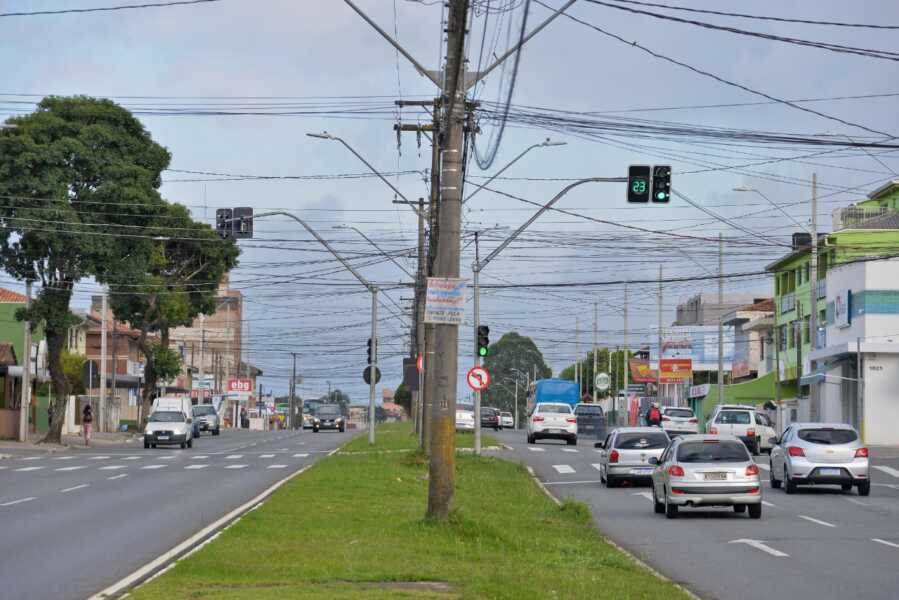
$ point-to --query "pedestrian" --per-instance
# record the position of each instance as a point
(654, 416)
(50, 415)
(87, 423)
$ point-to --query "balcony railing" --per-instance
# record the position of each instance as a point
(863, 217)
(787, 302)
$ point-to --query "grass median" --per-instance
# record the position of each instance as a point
(353, 527)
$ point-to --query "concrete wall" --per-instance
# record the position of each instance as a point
(881, 380)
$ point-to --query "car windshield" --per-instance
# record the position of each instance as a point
(712, 451)
(588, 410)
(554, 408)
(506, 414)
(167, 417)
(827, 436)
(488, 412)
(641, 441)
(685, 413)
(204, 410)
(734, 417)
(329, 411)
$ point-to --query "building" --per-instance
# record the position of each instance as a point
(857, 303)
(704, 309)
(753, 340)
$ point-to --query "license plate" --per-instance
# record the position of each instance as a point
(830, 472)
(715, 476)
(162, 437)
(641, 471)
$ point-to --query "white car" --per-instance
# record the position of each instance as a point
(552, 420)
(169, 427)
(679, 421)
(820, 453)
(464, 420)
(745, 423)
(506, 420)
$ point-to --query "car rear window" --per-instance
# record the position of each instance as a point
(712, 451)
(827, 436)
(588, 410)
(734, 417)
(554, 408)
(641, 441)
(686, 413)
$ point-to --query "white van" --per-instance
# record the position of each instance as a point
(170, 422)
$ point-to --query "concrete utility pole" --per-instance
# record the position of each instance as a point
(477, 355)
(25, 403)
(102, 412)
(593, 383)
(625, 359)
(720, 377)
(202, 373)
(659, 370)
(813, 301)
(291, 422)
(577, 354)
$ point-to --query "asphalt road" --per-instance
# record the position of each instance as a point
(818, 544)
(73, 523)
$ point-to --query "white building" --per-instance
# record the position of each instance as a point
(862, 328)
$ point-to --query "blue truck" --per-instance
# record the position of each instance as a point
(554, 390)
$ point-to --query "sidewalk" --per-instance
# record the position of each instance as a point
(69, 442)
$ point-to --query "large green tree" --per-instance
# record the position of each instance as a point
(512, 352)
(79, 181)
(178, 283)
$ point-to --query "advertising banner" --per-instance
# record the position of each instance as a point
(676, 370)
(699, 343)
(841, 309)
(641, 372)
(445, 301)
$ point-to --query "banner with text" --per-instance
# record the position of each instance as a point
(676, 370)
(445, 301)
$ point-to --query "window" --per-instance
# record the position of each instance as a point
(554, 408)
(827, 436)
(791, 335)
(641, 441)
(805, 330)
(684, 413)
(761, 419)
(762, 342)
(782, 337)
(733, 417)
(713, 451)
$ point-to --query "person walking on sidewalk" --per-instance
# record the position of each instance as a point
(87, 423)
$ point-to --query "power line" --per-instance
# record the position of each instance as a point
(105, 8)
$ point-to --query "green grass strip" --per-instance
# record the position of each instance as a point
(353, 527)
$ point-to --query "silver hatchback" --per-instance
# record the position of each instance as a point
(706, 470)
(626, 453)
(820, 453)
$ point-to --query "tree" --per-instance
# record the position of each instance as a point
(79, 181)
(403, 397)
(512, 351)
(73, 367)
(178, 283)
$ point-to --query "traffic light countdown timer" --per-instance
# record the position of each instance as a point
(645, 183)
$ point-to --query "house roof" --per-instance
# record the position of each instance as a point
(762, 305)
(11, 297)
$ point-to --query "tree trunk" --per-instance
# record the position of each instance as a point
(147, 394)
(55, 343)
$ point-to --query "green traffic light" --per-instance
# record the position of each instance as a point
(482, 351)
(661, 196)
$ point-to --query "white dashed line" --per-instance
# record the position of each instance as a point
(112, 467)
(2, 468)
(117, 476)
(196, 466)
(266, 456)
(64, 458)
(73, 488)
(130, 457)
(33, 458)
(563, 469)
(235, 466)
(878, 540)
(165, 458)
(29, 469)
(647, 495)
(568, 450)
(887, 470)
(277, 467)
(70, 468)
(854, 501)
(153, 466)
(200, 457)
(768, 504)
(818, 521)
(100, 457)
(760, 545)
(535, 449)
(234, 456)
(19, 501)
(596, 466)
(301, 455)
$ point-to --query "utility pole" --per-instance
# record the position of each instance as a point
(291, 423)
(421, 273)
(102, 416)
(25, 403)
(625, 357)
(813, 302)
(373, 370)
(477, 355)
(720, 319)
(577, 355)
(595, 314)
(202, 373)
(659, 370)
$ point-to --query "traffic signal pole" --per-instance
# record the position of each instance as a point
(477, 355)
(373, 369)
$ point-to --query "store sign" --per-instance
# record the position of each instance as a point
(240, 385)
(841, 316)
(675, 370)
(641, 371)
(699, 391)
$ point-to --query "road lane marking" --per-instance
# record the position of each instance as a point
(887, 470)
(19, 501)
(266, 456)
(70, 468)
(571, 482)
(885, 543)
(196, 466)
(2, 468)
(64, 458)
(234, 456)
(596, 466)
(647, 495)
(33, 458)
(29, 469)
(130, 457)
(768, 504)
(892, 486)
(854, 501)
(112, 467)
(814, 520)
(73, 488)
(100, 457)
(200, 457)
(235, 466)
(568, 450)
(117, 476)
(760, 545)
(165, 458)
(277, 467)
(535, 449)
(153, 466)
(301, 455)
(563, 469)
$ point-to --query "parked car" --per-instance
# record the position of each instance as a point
(328, 416)
(464, 419)
(490, 418)
(743, 422)
(206, 419)
(590, 420)
(820, 453)
(679, 421)
(169, 427)
(706, 470)
(553, 420)
(507, 420)
(626, 452)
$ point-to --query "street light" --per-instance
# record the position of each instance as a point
(544, 144)
(772, 203)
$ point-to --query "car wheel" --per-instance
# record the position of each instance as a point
(864, 488)
(342, 429)
(755, 511)
(739, 508)
(183, 445)
(190, 443)
(530, 439)
(846, 486)
(315, 430)
(152, 445)
(146, 444)
(789, 484)
(572, 441)
(217, 431)
(775, 483)
(670, 509)
(657, 506)
(610, 482)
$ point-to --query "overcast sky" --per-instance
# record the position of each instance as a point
(239, 55)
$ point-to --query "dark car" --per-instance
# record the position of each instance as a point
(328, 416)
(590, 420)
(490, 418)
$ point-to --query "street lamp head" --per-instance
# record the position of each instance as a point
(743, 189)
(549, 142)
(322, 136)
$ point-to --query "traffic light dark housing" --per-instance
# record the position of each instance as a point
(223, 223)
(243, 223)
(661, 183)
(371, 350)
(638, 183)
(483, 341)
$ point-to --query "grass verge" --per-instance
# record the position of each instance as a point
(353, 527)
(399, 436)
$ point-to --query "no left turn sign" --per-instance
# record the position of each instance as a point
(478, 379)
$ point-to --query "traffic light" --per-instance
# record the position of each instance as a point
(661, 183)
(483, 341)
(223, 223)
(638, 181)
(372, 351)
(243, 223)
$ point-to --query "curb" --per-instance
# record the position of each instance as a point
(640, 563)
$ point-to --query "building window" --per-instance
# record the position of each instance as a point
(790, 335)
(762, 342)
(805, 330)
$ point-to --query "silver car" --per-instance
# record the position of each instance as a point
(706, 470)
(626, 454)
(820, 453)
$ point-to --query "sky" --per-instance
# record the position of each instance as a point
(174, 65)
